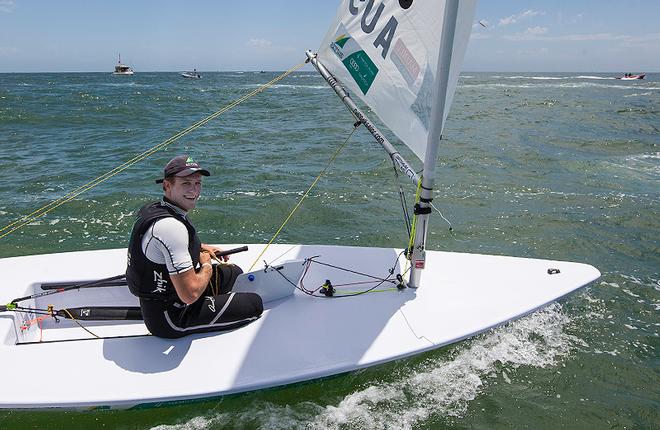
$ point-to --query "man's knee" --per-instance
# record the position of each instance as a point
(228, 274)
(247, 305)
(257, 305)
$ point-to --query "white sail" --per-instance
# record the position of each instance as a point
(386, 52)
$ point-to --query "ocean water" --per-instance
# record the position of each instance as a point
(560, 166)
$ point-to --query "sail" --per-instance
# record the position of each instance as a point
(386, 52)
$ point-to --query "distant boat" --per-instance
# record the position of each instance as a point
(191, 75)
(631, 77)
(122, 69)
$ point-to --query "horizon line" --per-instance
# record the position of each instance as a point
(279, 71)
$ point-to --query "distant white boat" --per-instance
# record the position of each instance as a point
(191, 75)
(631, 77)
(122, 69)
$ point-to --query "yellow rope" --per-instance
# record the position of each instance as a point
(303, 197)
(413, 229)
(80, 325)
(23, 221)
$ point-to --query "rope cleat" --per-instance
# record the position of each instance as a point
(327, 289)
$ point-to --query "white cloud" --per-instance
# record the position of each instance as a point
(539, 33)
(536, 30)
(542, 52)
(7, 6)
(590, 37)
(259, 43)
(479, 36)
(575, 19)
(522, 15)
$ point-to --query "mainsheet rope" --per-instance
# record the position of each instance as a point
(295, 208)
(23, 221)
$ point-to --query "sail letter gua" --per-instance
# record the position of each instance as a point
(386, 52)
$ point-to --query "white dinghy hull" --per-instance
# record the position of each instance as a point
(298, 338)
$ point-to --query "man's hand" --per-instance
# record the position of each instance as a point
(204, 257)
(212, 250)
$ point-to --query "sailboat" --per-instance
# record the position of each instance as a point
(318, 322)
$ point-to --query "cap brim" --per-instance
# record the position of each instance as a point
(191, 170)
(187, 172)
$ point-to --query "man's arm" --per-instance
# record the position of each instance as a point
(166, 242)
(190, 285)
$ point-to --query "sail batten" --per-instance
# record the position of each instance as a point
(386, 53)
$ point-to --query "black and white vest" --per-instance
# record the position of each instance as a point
(145, 278)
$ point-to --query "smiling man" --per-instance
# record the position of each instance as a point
(170, 269)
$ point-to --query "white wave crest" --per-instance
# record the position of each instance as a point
(643, 163)
(293, 87)
(648, 93)
(446, 386)
(593, 77)
(558, 85)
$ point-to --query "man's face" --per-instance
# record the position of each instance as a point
(184, 190)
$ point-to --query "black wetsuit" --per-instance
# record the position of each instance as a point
(165, 315)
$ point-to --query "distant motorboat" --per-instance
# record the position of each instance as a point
(631, 77)
(122, 69)
(191, 75)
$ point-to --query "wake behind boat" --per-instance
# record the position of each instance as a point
(328, 309)
(631, 77)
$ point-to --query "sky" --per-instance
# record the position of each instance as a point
(224, 35)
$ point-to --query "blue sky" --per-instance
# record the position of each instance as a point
(167, 35)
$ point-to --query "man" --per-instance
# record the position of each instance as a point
(170, 270)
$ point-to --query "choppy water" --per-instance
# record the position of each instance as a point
(562, 166)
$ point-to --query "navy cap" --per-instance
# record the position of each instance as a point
(182, 165)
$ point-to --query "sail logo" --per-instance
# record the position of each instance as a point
(160, 283)
(361, 68)
(405, 62)
(338, 45)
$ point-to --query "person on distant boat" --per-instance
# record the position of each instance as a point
(181, 291)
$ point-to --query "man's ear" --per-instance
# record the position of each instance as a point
(166, 184)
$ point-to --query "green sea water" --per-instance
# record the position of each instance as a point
(561, 166)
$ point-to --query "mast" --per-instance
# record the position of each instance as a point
(423, 208)
(398, 160)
